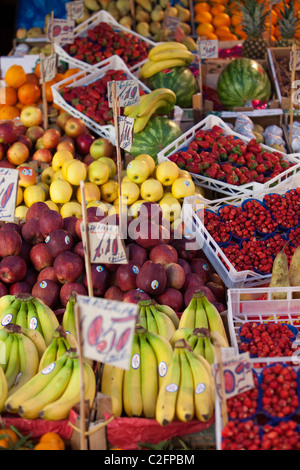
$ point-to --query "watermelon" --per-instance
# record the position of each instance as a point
(178, 79)
(243, 80)
(159, 132)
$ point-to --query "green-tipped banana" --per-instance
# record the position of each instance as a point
(49, 355)
(47, 319)
(209, 352)
(214, 318)
(13, 365)
(6, 301)
(21, 318)
(151, 323)
(132, 393)
(112, 386)
(7, 345)
(199, 346)
(68, 320)
(188, 316)
(9, 314)
(201, 320)
(149, 377)
(185, 408)
(3, 390)
(32, 318)
(142, 317)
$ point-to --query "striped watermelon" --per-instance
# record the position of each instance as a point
(159, 132)
(178, 79)
(243, 80)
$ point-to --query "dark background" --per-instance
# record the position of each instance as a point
(7, 25)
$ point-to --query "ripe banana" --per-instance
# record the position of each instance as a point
(37, 383)
(150, 68)
(170, 312)
(32, 319)
(159, 95)
(160, 107)
(169, 54)
(6, 301)
(166, 46)
(181, 333)
(9, 314)
(163, 352)
(61, 347)
(21, 318)
(209, 352)
(47, 319)
(13, 364)
(3, 390)
(214, 318)
(112, 386)
(132, 393)
(188, 316)
(68, 320)
(185, 408)
(149, 377)
(165, 325)
(49, 355)
(201, 318)
(131, 109)
(167, 395)
(37, 339)
(140, 123)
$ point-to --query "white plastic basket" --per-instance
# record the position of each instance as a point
(220, 186)
(231, 277)
(81, 31)
(92, 74)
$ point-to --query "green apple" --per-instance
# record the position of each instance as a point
(137, 171)
(101, 147)
(130, 192)
(183, 187)
(98, 172)
(167, 172)
(152, 190)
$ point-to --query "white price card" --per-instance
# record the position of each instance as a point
(2, 92)
(107, 329)
(60, 30)
(172, 23)
(106, 244)
(75, 10)
(238, 375)
(49, 66)
(127, 92)
(125, 132)
(208, 49)
(297, 61)
(8, 193)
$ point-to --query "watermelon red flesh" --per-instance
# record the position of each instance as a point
(159, 132)
(243, 80)
(178, 79)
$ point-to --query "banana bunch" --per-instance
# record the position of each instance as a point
(160, 101)
(165, 55)
(22, 357)
(3, 390)
(200, 313)
(28, 312)
(187, 390)
(158, 319)
(52, 392)
(134, 391)
(68, 319)
(61, 342)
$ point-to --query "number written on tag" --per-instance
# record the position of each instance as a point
(127, 93)
(106, 244)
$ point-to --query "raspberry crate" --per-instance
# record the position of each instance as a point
(220, 186)
(80, 31)
(86, 77)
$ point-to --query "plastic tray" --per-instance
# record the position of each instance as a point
(220, 186)
(81, 31)
(92, 74)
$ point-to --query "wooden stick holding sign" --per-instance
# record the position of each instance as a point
(86, 241)
(199, 71)
(293, 72)
(224, 411)
(45, 103)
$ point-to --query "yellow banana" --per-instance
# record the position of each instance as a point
(181, 333)
(218, 340)
(47, 319)
(199, 346)
(7, 345)
(214, 318)
(9, 314)
(201, 318)
(37, 338)
(209, 352)
(29, 362)
(90, 384)
(49, 355)
(130, 110)
(188, 316)
(192, 341)
(151, 323)
(156, 107)
(149, 377)
(61, 347)
(170, 312)
(132, 393)
(169, 54)
(34, 385)
(140, 123)
(164, 323)
(33, 322)
(6, 301)
(161, 95)
(31, 408)
(13, 365)
(163, 352)
(68, 320)
(21, 318)
(3, 390)
(166, 46)
(112, 386)
(185, 408)
(150, 68)
(167, 395)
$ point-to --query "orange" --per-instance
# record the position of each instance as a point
(29, 93)
(45, 446)
(59, 77)
(222, 30)
(49, 95)
(228, 37)
(11, 438)
(218, 8)
(204, 28)
(211, 36)
(236, 19)
(201, 6)
(15, 76)
(9, 112)
(37, 70)
(53, 438)
(239, 32)
(71, 71)
(222, 19)
(204, 17)
(11, 96)
(32, 78)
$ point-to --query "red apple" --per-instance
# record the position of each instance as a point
(217, 279)
(58, 241)
(164, 254)
(135, 295)
(173, 298)
(201, 267)
(126, 276)
(47, 291)
(3, 289)
(42, 155)
(6, 164)
(34, 133)
(19, 287)
(208, 293)
(25, 251)
(36, 210)
(31, 275)
(114, 293)
(10, 242)
(12, 226)
(152, 211)
(90, 218)
(62, 118)
(8, 133)
(145, 233)
(137, 254)
(100, 279)
(219, 306)
(66, 145)
(51, 138)
(83, 143)
(78, 248)
(74, 127)
(70, 289)
(17, 153)
(47, 273)
(3, 149)
(152, 278)
(25, 139)
(31, 232)
(218, 291)
(101, 147)
(40, 256)
(193, 280)
(185, 265)
(68, 266)
(69, 225)
(12, 269)
(51, 220)
(88, 159)
(175, 275)
(27, 176)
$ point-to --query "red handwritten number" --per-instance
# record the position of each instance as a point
(6, 195)
(95, 331)
(115, 247)
(123, 340)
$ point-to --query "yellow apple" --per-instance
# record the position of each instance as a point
(19, 198)
(112, 166)
(152, 190)
(125, 179)
(52, 205)
(75, 172)
(71, 208)
(60, 157)
(149, 160)
(20, 212)
(98, 172)
(58, 175)
(167, 172)
(109, 191)
(184, 174)
(104, 207)
(92, 192)
(183, 187)
(135, 207)
(32, 194)
(45, 187)
(60, 191)
(130, 192)
(171, 208)
(137, 171)
(47, 175)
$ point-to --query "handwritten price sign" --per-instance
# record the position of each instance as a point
(107, 329)
(127, 93)
(297, 60)
(75, 10)
(106, 245)
(8, 193)
(208, 49)
(60, 30)
(125, 132)
(49, 67)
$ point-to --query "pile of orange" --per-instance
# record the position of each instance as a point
(50, 441)
(8, 438)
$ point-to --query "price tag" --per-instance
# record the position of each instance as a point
(297, 64)
(125, 132)
(172, 23)
(238, 375)
(127, 93)
(63, 30)
(107, 328)
(8, 193)
(106, 244)
(2, 92)
(49, 64)
(75, 10)
(208, 49)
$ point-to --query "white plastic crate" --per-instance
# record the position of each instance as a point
(231, 277)
(81, 31)
(220, 186)
(91, 74)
